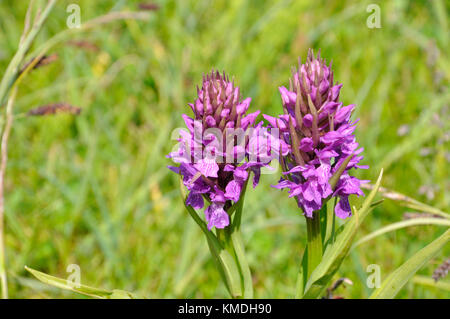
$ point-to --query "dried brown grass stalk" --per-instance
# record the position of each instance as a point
(442, 270)
(407, 201)
(407, 216)
(148, 6)
(41, 61)
(83, 44)
(54, 108)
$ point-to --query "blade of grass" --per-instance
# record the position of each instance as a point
(400, 225)
(3, 163)
(396, 280)
(13, 69)
(407, 201)
(429, 282)
(81, 289)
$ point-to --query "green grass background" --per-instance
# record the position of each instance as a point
(94, 190)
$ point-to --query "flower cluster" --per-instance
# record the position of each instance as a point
(218, 112)
(319, 133)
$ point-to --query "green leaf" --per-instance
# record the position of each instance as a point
(430, 282)
(403, 224)
(336, 251)
(329, 230)
(410, 202)
(337, 175)
(243, 263)
(81, 289)
(396, 280)
(121, 294)
(301, 277)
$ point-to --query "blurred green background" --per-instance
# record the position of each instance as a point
(94, 190)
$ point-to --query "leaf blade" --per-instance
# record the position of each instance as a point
(396, 280)
(64, 284)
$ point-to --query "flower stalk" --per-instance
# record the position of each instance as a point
(13, 69)
(317, 130)
(314, 236)
(216, 172)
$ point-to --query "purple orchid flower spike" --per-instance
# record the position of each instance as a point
(319, 132)
(216, 152)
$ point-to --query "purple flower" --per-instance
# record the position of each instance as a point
(319, 134)
(213, 168)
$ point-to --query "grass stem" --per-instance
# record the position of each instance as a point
(3, 162)
(13, 69)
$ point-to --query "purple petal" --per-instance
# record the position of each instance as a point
(342, 208)
(216, 216)
(249, 119)
(256, 176)
(284, 183)
(233, 191)
(307, 120)
(240, 174)
(207, 167)
(330, 107)
(272, 120)
(228, 168)
(331, 137)
(210, 121)
(189, 122)
(295, 169)
(243, 106)
(285, 95)
(195, 200)
(323, 173)
(335, 91)
(217, 196)
(174, 169)
(343, 114)
(306, 144)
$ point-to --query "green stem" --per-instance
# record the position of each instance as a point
(241, 258)
(226, 238)
(3, 162)
(314, 242)
(3, 278)
(13, 69)
(231, 239)
(239, 248)
(233, 243)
